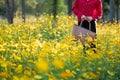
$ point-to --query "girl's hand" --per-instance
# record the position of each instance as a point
(83, 17)
(89, 18)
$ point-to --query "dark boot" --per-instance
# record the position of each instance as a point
(85, 48)
(93, 46)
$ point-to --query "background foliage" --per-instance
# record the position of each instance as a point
(45, 6)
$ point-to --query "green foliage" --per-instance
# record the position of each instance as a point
(2, 7)
(47, 6)
(36, 7)
(61, 6)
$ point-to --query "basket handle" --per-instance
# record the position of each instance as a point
(89, 25)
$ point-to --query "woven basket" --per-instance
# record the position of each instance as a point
(81, 33)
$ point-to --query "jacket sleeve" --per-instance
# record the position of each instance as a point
(75, 9)
(98, 11)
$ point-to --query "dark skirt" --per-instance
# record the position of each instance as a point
(85, 24)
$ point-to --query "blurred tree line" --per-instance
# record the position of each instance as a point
(12, 8)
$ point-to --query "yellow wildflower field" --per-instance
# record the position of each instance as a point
(46, 50)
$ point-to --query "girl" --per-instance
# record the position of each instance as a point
(88, 11)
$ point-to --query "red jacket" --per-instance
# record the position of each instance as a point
(88, 8)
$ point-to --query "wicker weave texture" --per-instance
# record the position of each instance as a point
(81, 33)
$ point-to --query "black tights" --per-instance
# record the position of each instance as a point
(85, 24)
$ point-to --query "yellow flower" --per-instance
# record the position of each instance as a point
(27, 72)
(19, 68)
(99, 68)
(39, 35)
(79, 79)
(15, 78)
(93, 75)
(26, 78)
(24, 53)
(51, 76)
(4, 74)
(116, 43)
(2, 48)
(16, 57)
(58, 64)
(30, 61)
(110, 73)
(34, 72)
(3, 63)
(85, 75)
(38, 77)
(90, 75)
(66, 74)
(72, 38)
(67, 71)
(89, 39)
(42, 65)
